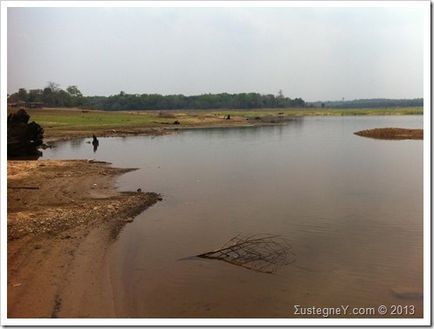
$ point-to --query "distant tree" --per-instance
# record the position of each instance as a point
(22, 94)
(74, 91)
(35, 95)
(47, 95)
(53, 96)
(53, 86)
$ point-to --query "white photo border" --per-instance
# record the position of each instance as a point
(425, 321)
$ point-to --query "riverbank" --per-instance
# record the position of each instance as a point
(72, 123)
(62, 217)
(391, 133)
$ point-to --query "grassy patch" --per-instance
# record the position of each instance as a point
(76, 119)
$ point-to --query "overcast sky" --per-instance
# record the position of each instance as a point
(313, 53)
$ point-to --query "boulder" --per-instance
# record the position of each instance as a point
(24, 138)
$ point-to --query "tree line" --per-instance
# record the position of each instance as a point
(53, 96)
(50, 96)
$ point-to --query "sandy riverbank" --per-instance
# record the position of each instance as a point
(391, 133)
(62, 217)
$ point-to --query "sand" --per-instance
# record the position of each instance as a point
(62, 218)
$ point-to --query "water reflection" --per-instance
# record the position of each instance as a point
(76, 143)
(95, 147)
(251, 131)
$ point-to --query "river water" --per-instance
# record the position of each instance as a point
(351, 207)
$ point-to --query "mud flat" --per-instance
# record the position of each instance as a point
(391, 133)
(62, 217)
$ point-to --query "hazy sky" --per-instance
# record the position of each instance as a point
(313, 53)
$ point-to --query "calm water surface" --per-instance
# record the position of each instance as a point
(350, 206)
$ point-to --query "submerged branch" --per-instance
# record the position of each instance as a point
(261, 252)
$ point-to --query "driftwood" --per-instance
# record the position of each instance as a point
(262, 253)
(24, 138)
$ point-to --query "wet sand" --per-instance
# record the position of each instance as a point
(62, 217)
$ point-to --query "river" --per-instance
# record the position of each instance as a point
(351, 208)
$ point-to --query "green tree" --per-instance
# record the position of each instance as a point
(35, 95)
(74, 91)
(22, 95)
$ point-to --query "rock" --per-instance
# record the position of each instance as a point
(47, 146)
(404, 293)
(23, 138)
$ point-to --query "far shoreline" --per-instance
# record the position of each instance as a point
(70, 123)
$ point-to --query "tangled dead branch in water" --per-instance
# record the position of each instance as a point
(260, 252)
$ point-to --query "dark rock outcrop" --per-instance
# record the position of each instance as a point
(24, 138)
